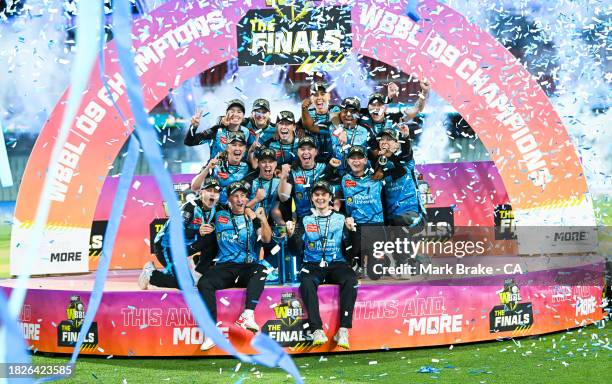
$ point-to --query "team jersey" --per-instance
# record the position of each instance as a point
(375, 128)
(193, 217)
(220, 142)
(236, 237)
(302, 181)
(285, 153)
(402, 194)
(324, 238)
(217, 134)
(227, 174)
(354, 136)
(264, 134)
(362, 198)
(323, 138)
(271, 188)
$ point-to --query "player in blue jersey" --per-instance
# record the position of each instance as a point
(346, 132)
(217, 136)
(227, 167)
(374, 117)
(362, 191)
(403, 206)
(264, 193)
(197, 216)
(286, 141)
(325, 242)
(264, 185)
(236, 264)
(316, 112)
(259, 123)
(297, 184)
(401, 112)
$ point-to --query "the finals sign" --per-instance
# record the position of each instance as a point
(291, 36)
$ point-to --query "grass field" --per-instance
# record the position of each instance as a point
(578, 356)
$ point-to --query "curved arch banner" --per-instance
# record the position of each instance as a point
(504, 105)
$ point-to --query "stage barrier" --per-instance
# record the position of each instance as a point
(387, 315)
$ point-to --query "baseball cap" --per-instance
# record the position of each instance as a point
(261, 104)
(351, 103)
(237, 186)
(388, 132)
(321, 184)
(210, 182)
(306, 140)
(286, 115)
(266, 153)
(236, 136)
(236, 103)
(357, 150)
(318, 86)
(376, 97)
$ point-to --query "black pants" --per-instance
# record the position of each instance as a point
(407, 219)
(313, 275)
(362, 241)
(296, 243)
(229, 275)
(167, 277)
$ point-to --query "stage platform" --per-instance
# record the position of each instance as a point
(388, 314)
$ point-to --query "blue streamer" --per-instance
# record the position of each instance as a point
(122, 29)
(16, 353)
(412, 11)
(82, 67)
(110, 236)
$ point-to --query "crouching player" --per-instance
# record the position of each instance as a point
(199, 237)
(325, 243)
(236, 263)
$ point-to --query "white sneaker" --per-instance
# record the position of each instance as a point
(145, 275)
(207, 344)
(342, 338)
(247, 321)
(318, 337)
(194, 274)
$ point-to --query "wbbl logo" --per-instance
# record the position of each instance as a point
(512, 315)
(288, 327)
(68, 330)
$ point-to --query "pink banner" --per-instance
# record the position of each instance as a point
(392, 315)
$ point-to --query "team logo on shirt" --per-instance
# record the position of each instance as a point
(311, 245)
(350, 183)
(223, 220)
(349, 200)
(312, 228)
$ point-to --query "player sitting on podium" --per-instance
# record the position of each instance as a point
(236, 264)
(325, 246)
